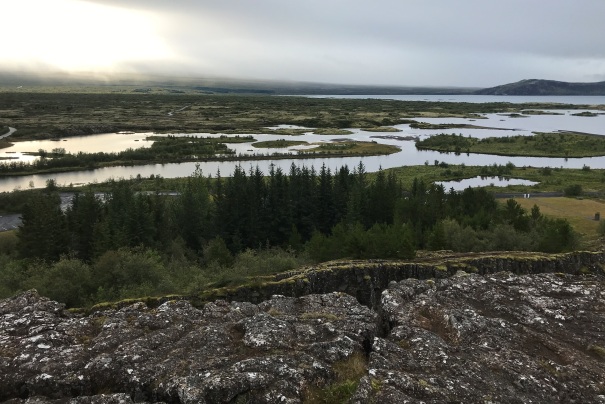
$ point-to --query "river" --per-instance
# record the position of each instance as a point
(500, 125)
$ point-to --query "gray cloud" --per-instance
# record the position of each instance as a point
(413, 42)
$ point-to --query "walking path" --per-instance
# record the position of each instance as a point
(10, 132)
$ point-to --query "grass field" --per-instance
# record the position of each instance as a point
(8, 242)
(579, 212)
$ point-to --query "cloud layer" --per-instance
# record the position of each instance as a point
(413, 42)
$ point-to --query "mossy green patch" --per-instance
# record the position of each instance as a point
(281, 143)
(381, 129)
(332, 131)
(598, 350)
(347, 374)
(319, 315)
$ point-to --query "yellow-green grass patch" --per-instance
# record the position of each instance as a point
(381, 129)
(352, 148)
(579, 212)
(278, 143)
(8, 241)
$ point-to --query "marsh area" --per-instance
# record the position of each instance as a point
(139, 121)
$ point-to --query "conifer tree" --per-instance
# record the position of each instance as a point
(43, 231)
(82, 217)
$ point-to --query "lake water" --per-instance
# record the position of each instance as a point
(519, 99)
(107, 142)
(483, 182)
(408, 154)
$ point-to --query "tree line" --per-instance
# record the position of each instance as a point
(251, 210)
(218, 230)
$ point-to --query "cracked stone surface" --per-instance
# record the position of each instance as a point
(176, 353)
(469, 338)
(494, 338)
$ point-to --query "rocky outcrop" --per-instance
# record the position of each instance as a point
(466, 338)
(366, 279)
(494, 338)
(271, 352)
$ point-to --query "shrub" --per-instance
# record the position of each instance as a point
(67, 281)
(573, 190)
(127, 273)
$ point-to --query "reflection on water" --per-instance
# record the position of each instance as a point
(408, 155)
(106, 142)
(483, 182)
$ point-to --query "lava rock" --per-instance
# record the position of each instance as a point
(494, 338)
(271, 352)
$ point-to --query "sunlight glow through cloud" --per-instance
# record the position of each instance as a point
(386, 42)
(78, 36)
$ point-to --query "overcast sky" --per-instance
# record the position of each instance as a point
(478, 43)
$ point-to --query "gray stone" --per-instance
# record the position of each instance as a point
(177, 353)
(499, 337)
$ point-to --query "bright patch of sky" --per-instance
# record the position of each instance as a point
(474, 43)
(74, 36)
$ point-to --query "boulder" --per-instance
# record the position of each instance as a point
(497, 337)
(175, 353)
(493, 338)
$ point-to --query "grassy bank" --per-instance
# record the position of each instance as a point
(559, 144)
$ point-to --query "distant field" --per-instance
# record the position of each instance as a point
(579, 212)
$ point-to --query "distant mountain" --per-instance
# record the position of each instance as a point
(545, 87)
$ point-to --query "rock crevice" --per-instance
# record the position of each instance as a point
(468, 337)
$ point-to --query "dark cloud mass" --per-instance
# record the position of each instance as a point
(395, 42)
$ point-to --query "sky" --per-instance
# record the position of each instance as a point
(461, 43)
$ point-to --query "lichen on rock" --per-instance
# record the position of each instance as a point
(498, 337)
(176, 353)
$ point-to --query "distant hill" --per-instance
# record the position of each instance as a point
(208, 85)
(545, 87)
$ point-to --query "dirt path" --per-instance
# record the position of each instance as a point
(10, 132)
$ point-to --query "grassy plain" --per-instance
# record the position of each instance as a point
(61, 111)
(579, 212)
(336, 148)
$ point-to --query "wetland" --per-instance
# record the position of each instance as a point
(205, 208)
(95, 137)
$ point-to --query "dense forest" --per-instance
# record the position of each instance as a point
(216, 231)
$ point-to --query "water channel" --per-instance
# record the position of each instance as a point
(496, 125)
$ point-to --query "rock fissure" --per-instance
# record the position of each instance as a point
(466, 337)
(366, 280)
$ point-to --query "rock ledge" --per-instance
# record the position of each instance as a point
(468, 338)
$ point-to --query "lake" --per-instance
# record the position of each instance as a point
(483, 182)
(408, 154)
(515, 99)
